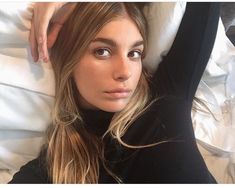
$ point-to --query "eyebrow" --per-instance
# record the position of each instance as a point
(114, 44)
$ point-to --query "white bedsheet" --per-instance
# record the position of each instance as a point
(26, 91)
(216, 136)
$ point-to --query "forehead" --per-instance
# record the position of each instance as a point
(120, 29)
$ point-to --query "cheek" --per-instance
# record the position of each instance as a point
(137, 73)
(84, 77)
(88, 76)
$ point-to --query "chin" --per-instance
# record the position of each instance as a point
(113, 107)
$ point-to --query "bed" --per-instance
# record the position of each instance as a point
(27, 90)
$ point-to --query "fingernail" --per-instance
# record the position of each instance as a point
(41, 56)
(34, 58)
(45, 60)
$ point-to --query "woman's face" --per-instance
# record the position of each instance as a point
(108, 73)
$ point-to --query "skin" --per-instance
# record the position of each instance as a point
(107, 75)
(46, 23)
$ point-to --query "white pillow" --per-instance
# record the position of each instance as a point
(26, 92)
(164, 19)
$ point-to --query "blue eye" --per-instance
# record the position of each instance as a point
(135, 54)
(102, 52)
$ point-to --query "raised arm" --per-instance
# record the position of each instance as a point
(181, 70)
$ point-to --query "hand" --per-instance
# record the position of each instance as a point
(48, 19)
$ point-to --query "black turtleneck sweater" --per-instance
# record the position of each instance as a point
(169, 118)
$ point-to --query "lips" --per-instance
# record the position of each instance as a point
(118, 93)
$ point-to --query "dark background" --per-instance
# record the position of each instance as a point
(227, 11)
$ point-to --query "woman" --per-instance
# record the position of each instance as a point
(108, 125)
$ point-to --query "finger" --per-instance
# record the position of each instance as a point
(41, 22)
(53, 33)
(41, 37)
(42, 50)
(64, 13)
(57, 22)
(33, 43)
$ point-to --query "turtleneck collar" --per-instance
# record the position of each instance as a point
(97, 121)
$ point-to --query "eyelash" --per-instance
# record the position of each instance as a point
(95, 52)
(140, 53)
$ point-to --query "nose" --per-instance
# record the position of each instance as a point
(122, 70)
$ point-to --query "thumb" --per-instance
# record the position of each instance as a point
(53, 33)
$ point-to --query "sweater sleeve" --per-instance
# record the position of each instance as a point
(31, 173)
(169, 163)
(181, 70)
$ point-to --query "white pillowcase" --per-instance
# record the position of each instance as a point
(163, 19)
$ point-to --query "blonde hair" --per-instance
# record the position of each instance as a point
(73, 154)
